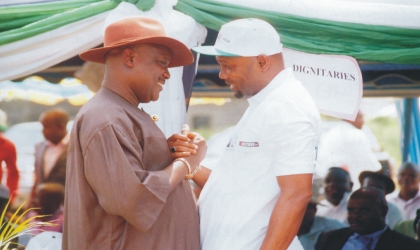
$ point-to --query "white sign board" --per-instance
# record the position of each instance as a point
(334, 82)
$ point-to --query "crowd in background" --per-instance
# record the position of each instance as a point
(45, 203)
(356, 204)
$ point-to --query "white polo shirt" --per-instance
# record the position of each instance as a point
(277, 136)
(338, 212)
(408, 208)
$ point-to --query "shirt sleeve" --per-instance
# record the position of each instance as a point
(292, 135)
(114, 170)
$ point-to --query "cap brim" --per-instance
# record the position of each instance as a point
(180, 54)
(211, 51)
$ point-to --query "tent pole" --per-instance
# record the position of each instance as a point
(408, 107)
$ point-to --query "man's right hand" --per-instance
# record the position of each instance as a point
(193, 148)
(195, 159)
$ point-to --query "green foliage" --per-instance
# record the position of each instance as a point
(387, 130)
(205, 132)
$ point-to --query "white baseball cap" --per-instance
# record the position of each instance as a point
(45, 241)
(244, 37)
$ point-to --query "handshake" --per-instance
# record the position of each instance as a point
(189, 147)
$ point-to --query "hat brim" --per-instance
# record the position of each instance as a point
(211, 51)
(180, 54)
(389, 184)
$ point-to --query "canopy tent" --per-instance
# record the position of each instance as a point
(49, 32)
(35, 35)
(38, 90)
(408, 110)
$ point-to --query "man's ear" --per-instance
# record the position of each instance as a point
(128, 57)
(263, 62)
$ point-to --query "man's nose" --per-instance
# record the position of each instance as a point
(222, 74)
(166, 74)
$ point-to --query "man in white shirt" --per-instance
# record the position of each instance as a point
(257, 193)
(408, 198)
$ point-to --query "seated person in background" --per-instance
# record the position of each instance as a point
(4, 199)
(408, 199)
(312, 226)
(410, 227)
(367, 209)
(49, 199)
(337, 188)
(384, 183)
(405, 227)
(416, 225)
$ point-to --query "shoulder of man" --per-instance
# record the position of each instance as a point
(333, 240)
(7, 146)
(392, 240)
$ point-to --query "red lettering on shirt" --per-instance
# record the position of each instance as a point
(249, 144)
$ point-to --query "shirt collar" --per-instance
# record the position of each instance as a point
(374, 235)
(368, 241)
(344, 200)
(271, 86)
(417, 196)
(126, 93)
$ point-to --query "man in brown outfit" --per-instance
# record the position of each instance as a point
(123, 188)
(51, 154)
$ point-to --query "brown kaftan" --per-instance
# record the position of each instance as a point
(116, 197)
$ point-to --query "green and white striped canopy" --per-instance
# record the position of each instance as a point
(36, 34)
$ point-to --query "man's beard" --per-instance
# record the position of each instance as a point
(238, 94)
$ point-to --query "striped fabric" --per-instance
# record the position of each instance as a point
(386, 31)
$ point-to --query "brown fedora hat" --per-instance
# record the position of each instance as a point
(136, 30)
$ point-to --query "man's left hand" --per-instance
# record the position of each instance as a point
(181, 145)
